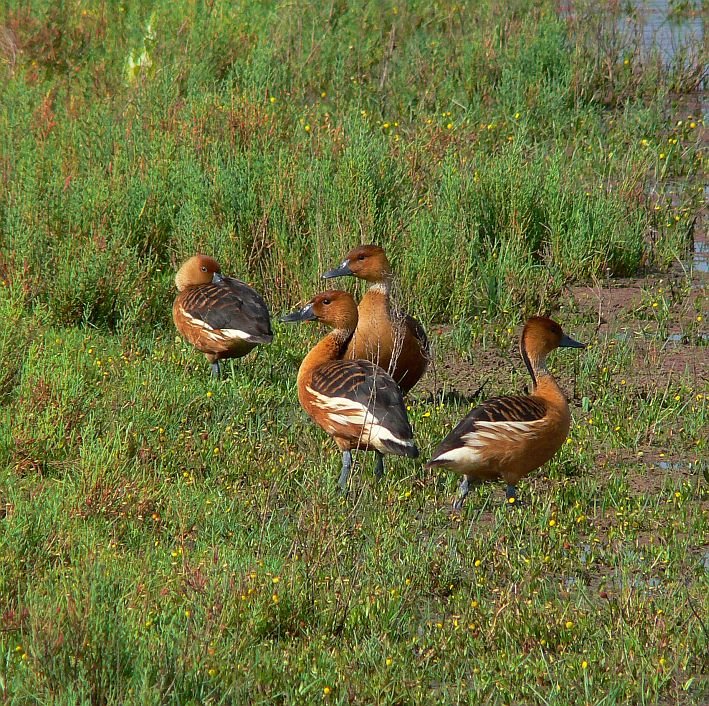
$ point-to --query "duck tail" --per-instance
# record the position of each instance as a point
(407, 448)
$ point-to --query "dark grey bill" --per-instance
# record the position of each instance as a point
(568, 342)
(304, 314)
(342, 271)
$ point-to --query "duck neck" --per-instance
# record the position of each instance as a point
(376, 302)
(332, 347)
(544, 384)
(536, 364)
(381, 286)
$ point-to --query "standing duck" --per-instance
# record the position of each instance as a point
(354, 401)
(509, 437)
(220, 316)
(393, 340)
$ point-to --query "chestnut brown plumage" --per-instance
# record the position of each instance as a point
(393, 340)
(220, 316)
(354, 401)
(509, 437)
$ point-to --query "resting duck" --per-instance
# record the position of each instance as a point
(354, 401)
(220, 316)
(509, 437)
(393, 340)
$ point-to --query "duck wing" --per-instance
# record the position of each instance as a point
(495, 421)
(359, 397)
(230, 306)
(418, 331)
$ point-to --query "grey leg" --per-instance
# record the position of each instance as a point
(379, 467)
(216, 369)
(345, 473)
(463, 489)
(512, 495)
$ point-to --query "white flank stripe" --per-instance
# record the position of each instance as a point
(236, 333)
(343, 412)
(487, 433)
(217, 334)
(196, 322)
(478, 444)
(462, 455)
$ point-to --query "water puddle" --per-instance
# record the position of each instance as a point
(585, 554)
(687, 340)
(618, 583)
(700, 256)
(657, 27)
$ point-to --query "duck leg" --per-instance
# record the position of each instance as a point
(463, 490)
(216, 369)
(379, 466)
(511, 494)
(345, 473)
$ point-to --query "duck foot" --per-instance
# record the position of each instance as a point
(379, 466)
(345, 473)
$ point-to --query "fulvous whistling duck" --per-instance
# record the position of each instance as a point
(220, 316)
(508, 437)
(354, 401)
(393, 340)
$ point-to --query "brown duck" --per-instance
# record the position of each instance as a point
(393, 340)
(220, 316)
(354, 401)
(509, 437)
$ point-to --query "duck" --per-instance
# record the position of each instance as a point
(220, 316)
(355, 401)
(509, 437)
(386, 336)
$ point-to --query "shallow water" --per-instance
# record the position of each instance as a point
(685, 339)
(700, 256)
(672, 37)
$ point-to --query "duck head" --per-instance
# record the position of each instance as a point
(334, 308)
(367, 262)
(199, 269)
(540, 337)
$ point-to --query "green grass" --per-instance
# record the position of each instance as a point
(165, 538)
(140, 564)
(277, 139)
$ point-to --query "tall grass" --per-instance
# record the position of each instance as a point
(453, 135)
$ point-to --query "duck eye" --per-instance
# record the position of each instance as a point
(204, 269)
(325, 301)
(360, 257)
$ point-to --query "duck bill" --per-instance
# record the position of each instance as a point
(342, 271)
(568, 342)
(217, 278)
(304, 314)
